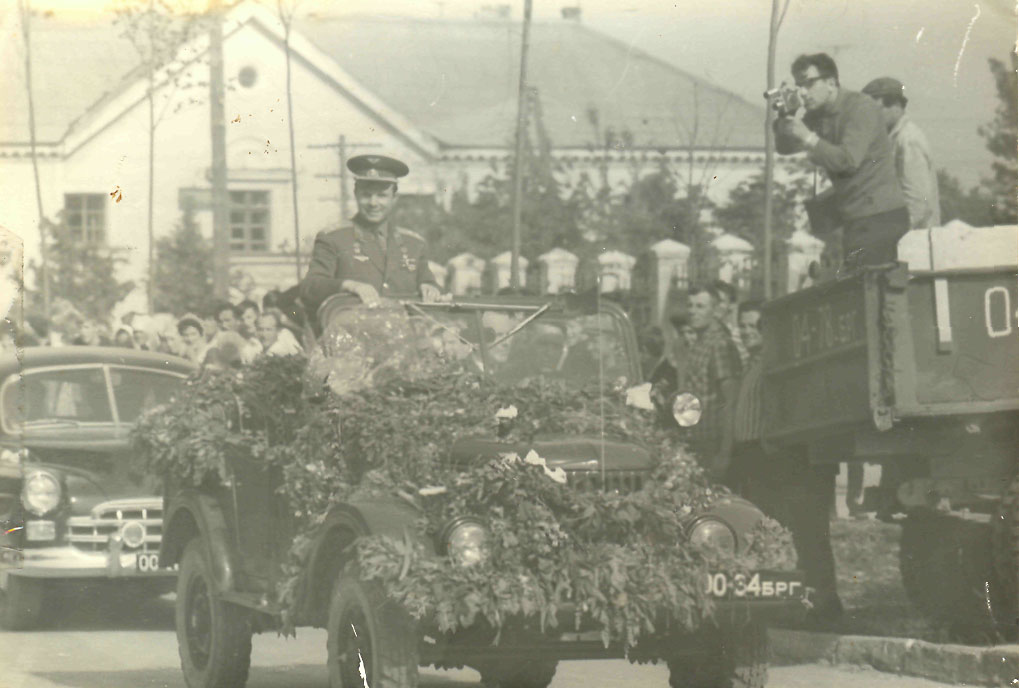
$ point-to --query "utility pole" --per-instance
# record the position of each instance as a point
(342, 147)
(26, 18)
(217, 122)
(518, 172)
(778, 10)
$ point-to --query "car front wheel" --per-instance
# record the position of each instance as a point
(371, 639)
(21, 603)
(213, 636)
(734, 658)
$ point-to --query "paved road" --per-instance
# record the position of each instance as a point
(126, 643)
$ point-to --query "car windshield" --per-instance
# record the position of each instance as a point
(72, 396)
(514, 345)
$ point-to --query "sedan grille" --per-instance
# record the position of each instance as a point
(623, 482)
(92, 533)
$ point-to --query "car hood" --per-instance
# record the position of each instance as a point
(568, 453)
(91, 478)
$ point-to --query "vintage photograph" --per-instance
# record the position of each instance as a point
(517, 344)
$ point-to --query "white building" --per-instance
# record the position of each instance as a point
(558, 271)
(440, 95)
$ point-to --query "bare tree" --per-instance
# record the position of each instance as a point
(25, 12)
(157, 30)
(287, 10)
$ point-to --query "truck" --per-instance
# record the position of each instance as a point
(914, 366)
(230, 536)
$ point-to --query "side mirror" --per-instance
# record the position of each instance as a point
(686, 409)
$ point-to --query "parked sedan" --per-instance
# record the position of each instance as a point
(75, 504)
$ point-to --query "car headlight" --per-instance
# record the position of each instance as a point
(466, 542)
(41, 493)
(713, 533)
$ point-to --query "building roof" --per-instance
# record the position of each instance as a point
(454, 79)
(74, 64)
(458, 79)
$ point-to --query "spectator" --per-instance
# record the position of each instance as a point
(276, 340)
(192, 335)
(914, 164)
(658, 370)
(712, 375)
(226, 317)
(725, 295)
(142, 335)
(89, 334)
(247, 311)
(683, 344)
(124, 337)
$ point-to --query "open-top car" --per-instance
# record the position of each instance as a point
(232, 530)
(75, 502)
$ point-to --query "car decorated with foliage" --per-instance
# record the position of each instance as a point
(458, 485)
(75, 501)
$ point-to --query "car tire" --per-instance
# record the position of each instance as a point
(367, 629)
(213, 636)
(529, 674)
(21, 603)
(735, 658)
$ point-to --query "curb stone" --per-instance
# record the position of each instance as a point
(988, 666)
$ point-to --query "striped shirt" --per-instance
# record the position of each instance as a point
(747, 416)
(713, 360)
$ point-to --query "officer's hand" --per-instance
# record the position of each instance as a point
(367, 293)
(430, 293)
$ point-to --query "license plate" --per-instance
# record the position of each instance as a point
(757, 585)
(147, 563)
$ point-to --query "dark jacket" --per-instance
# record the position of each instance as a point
(856, 152)
(354, 252)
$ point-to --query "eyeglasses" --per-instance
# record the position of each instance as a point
(809, 81)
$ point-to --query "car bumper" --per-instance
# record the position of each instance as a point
(65, 561)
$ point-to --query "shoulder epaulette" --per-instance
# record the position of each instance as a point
(410, 233)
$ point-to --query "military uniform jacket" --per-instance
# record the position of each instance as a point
(398, 266)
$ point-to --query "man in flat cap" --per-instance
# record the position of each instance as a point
(913, 162)
(369, 256)
(843, 132)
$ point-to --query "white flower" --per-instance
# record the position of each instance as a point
(533, 459)
(640, 397)
(508, 413)
(510, 458)
(556, 474)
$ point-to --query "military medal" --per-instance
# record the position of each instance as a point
(408, 262)
(359, 255)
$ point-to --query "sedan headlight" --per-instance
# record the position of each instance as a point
(466, 542)
(41, 493)
(711, 532)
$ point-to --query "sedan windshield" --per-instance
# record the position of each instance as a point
(73, 396)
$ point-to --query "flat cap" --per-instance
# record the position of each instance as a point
(377, 168)
(885, 86)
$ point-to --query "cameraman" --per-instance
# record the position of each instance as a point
(843, 132)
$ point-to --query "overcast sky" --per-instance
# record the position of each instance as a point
(938, 48)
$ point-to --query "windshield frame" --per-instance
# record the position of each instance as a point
(566, 306)
(107, 368)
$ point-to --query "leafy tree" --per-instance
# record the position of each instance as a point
(82, 273)
(1001, 136)
(973, 207)
(183, 274)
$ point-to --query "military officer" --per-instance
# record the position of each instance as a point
(369, 256)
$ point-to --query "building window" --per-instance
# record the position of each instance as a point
(249, 221)
(85, 217)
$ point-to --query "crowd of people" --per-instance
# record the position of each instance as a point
(222, 335)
